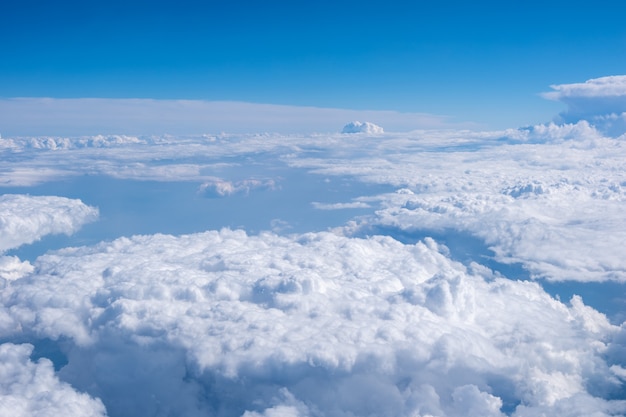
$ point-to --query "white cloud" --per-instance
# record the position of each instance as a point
(340, 206)
(31, 389)
(25, 219)
(362, 127)
(313, 324)
(611, 86)
(217, 187)
(600, 101)
(12, 268)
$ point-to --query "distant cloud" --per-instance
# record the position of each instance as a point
(600, 101)
(362, 127)
(340, 206)
(221, 188)
(91, 116)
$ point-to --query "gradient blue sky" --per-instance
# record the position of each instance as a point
(476, 61)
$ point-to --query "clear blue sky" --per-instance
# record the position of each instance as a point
(478, 61)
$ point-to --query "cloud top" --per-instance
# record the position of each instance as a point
(362, 127)
(32, 389)
(315, 324)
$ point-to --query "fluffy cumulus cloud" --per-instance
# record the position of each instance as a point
(32, 389)
(223, 323)
(25, 219)
(601, 101)
(362, 127)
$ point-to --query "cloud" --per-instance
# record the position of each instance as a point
(26, 219)
(600, 101)
(32, 389)
(11, 268)
(315, 324)
(340, 206)
(221, 188)
(359, 127)
(89, 116)
(612, 86)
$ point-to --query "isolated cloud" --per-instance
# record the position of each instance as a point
(362, 127)
(601, 101)
(31, 389)
(25, 219)
(316, 324)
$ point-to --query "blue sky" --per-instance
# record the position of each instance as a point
(475, 61)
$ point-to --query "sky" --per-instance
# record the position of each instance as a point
(480, 62)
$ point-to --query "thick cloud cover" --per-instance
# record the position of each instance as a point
(362, 127)
(222, 323)
(601, 101)
(549, 197)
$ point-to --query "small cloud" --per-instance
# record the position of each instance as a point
(359, 127)
(217, 188)
(340, 206)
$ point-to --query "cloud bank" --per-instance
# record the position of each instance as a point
(76, 117)
(600, 101)
(375, 317)
(223, 323)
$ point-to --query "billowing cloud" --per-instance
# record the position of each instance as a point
(600, 101)
(221, 188)
(32, 389)
(341, 206)
(362, 127)
(315, 324)
(25, 219)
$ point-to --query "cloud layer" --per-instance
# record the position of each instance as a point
(73, 117)
(548, 197)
